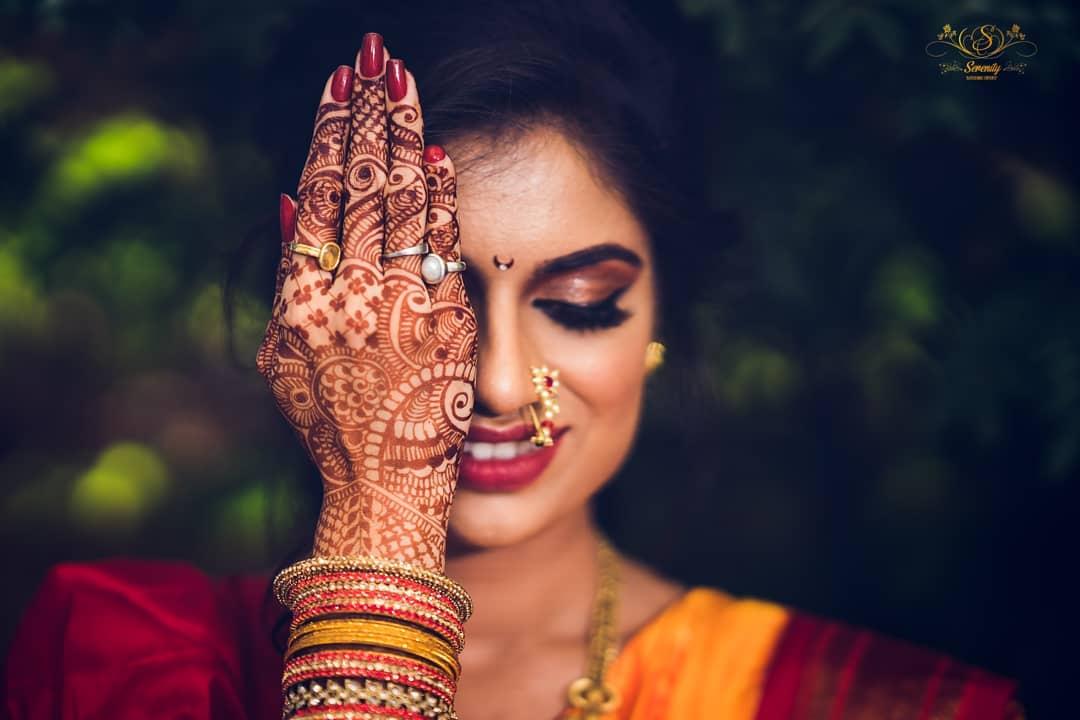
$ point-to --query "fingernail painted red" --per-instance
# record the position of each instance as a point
(341, 86)
(371, 55)
(397, 84)
(433, 154)
(287, 216)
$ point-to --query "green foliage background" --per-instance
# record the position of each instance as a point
(893, 391)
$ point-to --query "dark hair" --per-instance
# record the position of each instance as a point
(588, 67)
(497, 69)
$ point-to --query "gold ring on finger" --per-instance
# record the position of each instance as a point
(433, 268)
(328, 254)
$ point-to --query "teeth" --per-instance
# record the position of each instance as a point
(480, 451)
(499, 451)
(505, 451)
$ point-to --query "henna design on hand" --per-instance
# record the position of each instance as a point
(372, 369)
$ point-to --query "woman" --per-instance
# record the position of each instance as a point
(510, 388)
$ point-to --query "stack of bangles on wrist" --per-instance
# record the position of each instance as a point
(370, 638)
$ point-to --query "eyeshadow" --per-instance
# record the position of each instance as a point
(589, 284)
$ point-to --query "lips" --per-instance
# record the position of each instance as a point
(504, 460)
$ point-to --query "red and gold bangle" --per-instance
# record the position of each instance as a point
(375, 578)
(332, 591)
(327, 565)
(323, 565)
(348, 662)
(407, 602)
(400, 609)
(376, 592)
(374, 581)
(358, 711)
(391, 605)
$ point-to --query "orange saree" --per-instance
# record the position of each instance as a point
(714, 656)
(129, 640)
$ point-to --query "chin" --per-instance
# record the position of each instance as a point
(488, 521)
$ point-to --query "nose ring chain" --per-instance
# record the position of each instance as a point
(546, 386)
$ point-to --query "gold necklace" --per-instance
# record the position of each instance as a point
(589, 696)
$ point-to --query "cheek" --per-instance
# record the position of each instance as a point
(604, 386)
(603, 371)
(603, 376)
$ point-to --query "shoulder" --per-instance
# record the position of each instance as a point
(825, 668)
(106, 636)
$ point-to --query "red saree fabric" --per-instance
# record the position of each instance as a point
(127, 640)
(822, 670)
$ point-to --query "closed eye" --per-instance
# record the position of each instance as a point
(585, 317)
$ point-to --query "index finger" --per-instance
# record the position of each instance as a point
(320, 192)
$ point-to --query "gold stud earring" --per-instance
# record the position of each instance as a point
(546, 386)
(654, 355)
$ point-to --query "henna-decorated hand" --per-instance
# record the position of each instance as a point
(373, 368)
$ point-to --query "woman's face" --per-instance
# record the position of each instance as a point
(578, 296)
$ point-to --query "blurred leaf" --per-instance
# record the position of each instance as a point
(135, 272)
(752, 374)
(127, 481)
(249, 318)
(906, 290)
(242, 518)
(22, 308)
(1045, 205)
(121, 149)
(21, 83)
(205, 322)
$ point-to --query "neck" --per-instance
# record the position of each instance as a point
(543, 585)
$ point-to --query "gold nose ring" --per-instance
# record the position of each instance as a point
(546, 386)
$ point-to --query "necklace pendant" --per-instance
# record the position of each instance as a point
(592, 698)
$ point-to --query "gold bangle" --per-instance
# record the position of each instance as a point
(323, 564)
(377, 633)
(390, 628)
(378, 693)
(445, 664)
(361, 608)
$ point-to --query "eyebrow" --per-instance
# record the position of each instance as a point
(582, 258)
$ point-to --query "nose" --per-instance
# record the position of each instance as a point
(503, 382)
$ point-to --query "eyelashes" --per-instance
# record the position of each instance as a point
(584, 317)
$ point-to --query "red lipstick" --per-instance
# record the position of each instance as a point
(505, 474)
